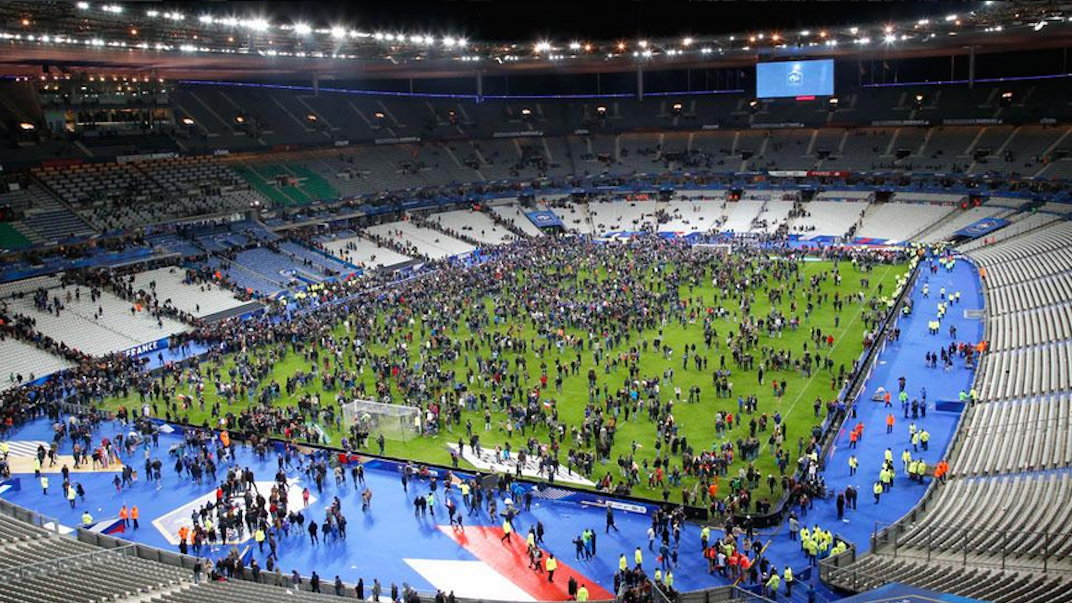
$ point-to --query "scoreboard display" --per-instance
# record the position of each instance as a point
(783, 79)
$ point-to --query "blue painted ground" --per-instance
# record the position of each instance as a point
(378, 541)
(381, 539)
(904, 358)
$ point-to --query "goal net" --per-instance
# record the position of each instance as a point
(393, 421)
(714, 248)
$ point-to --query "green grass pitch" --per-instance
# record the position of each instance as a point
(694, 420)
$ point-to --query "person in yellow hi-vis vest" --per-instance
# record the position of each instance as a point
(551, 564)
(87, 519)
(622, 563)
(787, 577)
(582, 593)
(772, 585)
(507, 529)
(638, 557)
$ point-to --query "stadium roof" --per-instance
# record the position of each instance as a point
(270, 40)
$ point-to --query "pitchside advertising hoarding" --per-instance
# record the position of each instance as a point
(782, 79)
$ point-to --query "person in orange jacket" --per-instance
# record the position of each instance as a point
(940, 470)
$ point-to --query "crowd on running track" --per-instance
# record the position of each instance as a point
(558, 292)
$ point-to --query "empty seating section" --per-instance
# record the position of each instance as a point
(860, 149)
(900, 221)
(286, 184)
(789, 148)
(95, 580)
(515, 215)
(1041, 325)
(740, 214)
(773, 215)
(21, 362)
(575, 216)
(641, 153)
(197, 299)
(239, 591)
(83, 326)
(47, 217)
(423, 241)
(363, 252)
(245, 278)
(990, 584)
(1028, 144)
(1033, 434)
(27, 286)
(1018, 224)
(279, 267)
(1028, 287)
(346, 172)
(1017, 513)
(314, 259)
(959, 219)
(82, 573)
(1028, 271)
(105, 194)
(13, 530)
(831, 218)
(1027, 372)
(623, 216)
(473, 224)
(692, 215)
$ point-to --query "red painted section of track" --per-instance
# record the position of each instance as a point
(512, 560)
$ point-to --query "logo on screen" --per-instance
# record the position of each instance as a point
(795, 77)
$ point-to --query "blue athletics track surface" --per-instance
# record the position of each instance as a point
(390, 543)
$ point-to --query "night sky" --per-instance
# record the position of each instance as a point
(591, 20)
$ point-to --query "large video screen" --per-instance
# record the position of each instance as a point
(795, 78)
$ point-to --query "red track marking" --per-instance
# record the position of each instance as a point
(512, 560)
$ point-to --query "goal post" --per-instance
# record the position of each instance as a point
(393, 421)
(714, 248)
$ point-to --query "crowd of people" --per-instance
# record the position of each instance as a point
(560, 312)
(574, 307)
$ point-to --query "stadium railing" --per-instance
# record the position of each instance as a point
(48, 566)
(34, 518)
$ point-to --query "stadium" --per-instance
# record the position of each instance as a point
(408, 301)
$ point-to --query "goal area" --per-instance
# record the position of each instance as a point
(393, 421)
(714, 248)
